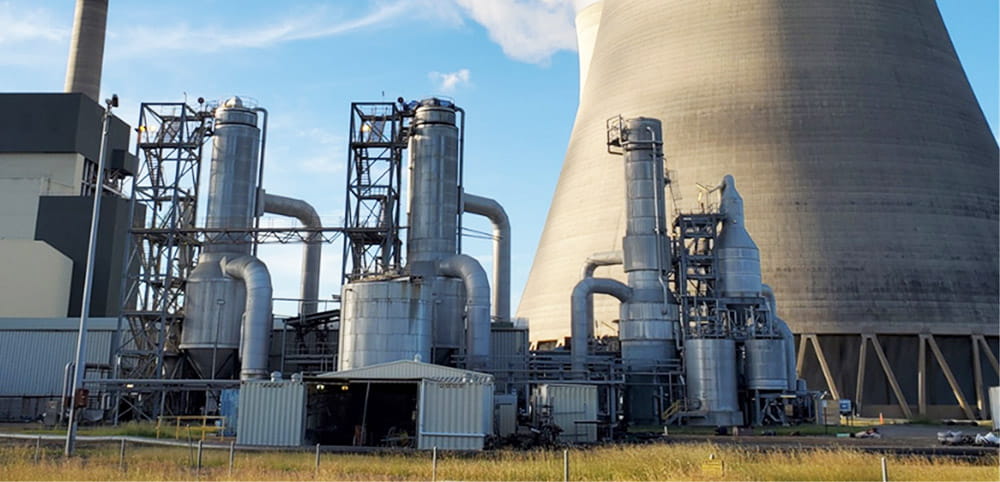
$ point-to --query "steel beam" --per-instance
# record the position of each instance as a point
(955, 388)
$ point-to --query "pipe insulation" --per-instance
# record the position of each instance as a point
(312, 252)
(788, 339)
(492, 210)
(86, 48)
(256, 338)
(582, 314)
(477, 305)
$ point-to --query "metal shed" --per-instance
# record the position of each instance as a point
(271, 413)
(451, 408)
(572, 407)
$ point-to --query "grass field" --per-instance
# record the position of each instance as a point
(636, 462)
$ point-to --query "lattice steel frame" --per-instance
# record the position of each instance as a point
(378, 137)
(164, 196)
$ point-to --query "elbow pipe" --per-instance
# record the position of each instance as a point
(493, 211)
(582, 314)
(788, 338)
(256, 338)
(477, 305)
(312, 253)
(603, 258)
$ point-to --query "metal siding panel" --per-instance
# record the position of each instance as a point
(455, 408)
(571, 403)
(271, 413)
(33, 362)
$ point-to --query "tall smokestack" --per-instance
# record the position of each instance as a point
(86, 49)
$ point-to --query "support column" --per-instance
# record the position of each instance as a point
(827, 374)
(977, 374)
(955, 388)
(859, 388)
(891, 376)
(922, 376)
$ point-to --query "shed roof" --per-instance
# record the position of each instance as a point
(409, 370)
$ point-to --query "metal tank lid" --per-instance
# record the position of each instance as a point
(236, 110)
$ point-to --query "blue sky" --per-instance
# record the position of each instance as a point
(511, 64)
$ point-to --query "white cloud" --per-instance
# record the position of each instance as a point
(447, 82)
(527, 30)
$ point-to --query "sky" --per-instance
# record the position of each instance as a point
(511, 64)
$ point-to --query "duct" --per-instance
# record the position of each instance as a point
(604, 258)
(477, 292)
(582, 314)
(787, 337)
(493, 211)
(257, 315)
(313, 250)
(86, 49)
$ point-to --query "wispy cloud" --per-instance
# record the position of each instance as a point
(28, 25)
(448, 81)
(316, 23)
(527, 30)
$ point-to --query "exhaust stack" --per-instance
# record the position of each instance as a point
(86, 48)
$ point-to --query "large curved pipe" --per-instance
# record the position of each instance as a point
(603, 258)
(477, 304)
(256, 339)
(493, 211)
(582, 314)
(788, 338)
(312, 253)
(86, 48)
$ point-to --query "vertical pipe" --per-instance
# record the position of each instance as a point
(86, 49)
(38, 448)
(493, 211)
(311, 252)
(565, 465)
(88, 281)
(232, 456)
(434, 464)
(121, 456)
(316, 472)
(885, 471)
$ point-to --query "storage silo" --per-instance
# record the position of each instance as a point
(869, 173)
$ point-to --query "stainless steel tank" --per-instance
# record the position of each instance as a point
(737, 254)
(385, 321)
(766, 364)
(648, 318)
(434, 195)
(214, 303)
(711, 381)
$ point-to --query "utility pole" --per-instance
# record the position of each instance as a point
(88, 281)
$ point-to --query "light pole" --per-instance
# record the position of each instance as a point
(88, 280)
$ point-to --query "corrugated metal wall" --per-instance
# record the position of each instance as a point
(271, 413)
(32, 362)
(455, 415)
(571, 404)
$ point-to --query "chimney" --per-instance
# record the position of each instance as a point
(86, 49)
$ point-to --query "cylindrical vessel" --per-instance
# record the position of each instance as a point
(766, 364)
(738, 256)
(646, 327)
(86, 49)
(385, 321)
(214, 303)
(232, 191)
(433, 186)
(448, 328)
(711, 380)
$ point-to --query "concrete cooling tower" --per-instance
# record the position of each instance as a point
(867, 167)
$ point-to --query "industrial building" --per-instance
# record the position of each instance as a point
(423, 350)
(868, 169)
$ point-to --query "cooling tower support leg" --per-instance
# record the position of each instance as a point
(886, 369)
(823, 365)
(977, 375)
(946, 369)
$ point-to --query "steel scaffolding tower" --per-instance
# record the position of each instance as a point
(160, 256)
(378, 137)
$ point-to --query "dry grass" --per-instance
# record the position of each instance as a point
(648, 462)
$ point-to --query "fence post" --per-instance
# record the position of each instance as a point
(885, 471)
(199, 458)
(565, 465)
(232, 456)
(38, 448)
(434, 464)
(121, 457)
(316, 474)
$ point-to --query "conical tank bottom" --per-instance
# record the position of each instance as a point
(208, 361)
